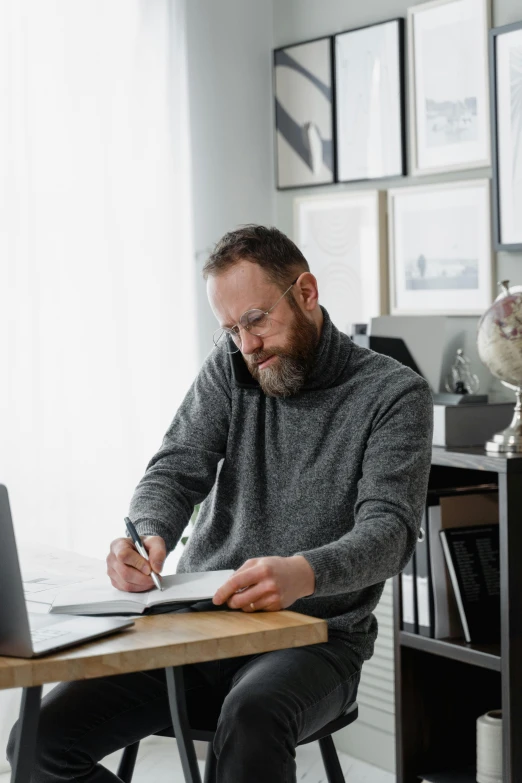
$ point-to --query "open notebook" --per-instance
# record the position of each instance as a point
(98, 597)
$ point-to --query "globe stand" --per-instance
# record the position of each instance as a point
(509, 440)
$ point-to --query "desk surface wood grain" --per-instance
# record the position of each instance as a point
(167, 640)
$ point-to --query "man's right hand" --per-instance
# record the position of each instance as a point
(128, 570)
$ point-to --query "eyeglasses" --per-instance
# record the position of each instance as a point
(254, 321)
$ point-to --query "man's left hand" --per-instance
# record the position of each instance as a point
(267, 583)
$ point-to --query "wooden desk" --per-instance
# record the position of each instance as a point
(165, 640)
(169, 641)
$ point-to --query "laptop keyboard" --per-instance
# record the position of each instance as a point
(43, 634)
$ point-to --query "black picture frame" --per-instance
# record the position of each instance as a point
(498, 243)
(401, 37)
(281, 122)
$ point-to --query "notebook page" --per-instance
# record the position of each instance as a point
(188, 587)
(176, 587)
(97, 591)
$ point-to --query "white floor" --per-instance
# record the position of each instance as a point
(158, 761)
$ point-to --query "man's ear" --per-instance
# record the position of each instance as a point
(307, 291)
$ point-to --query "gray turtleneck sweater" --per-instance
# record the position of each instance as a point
(337, 473)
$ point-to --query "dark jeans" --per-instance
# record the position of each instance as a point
(263, 705)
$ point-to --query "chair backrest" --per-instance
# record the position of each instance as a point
(350, 714)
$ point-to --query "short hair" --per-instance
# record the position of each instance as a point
(265, 246)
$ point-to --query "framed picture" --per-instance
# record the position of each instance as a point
(506, 122)
(369, 102)
(303, 88)
(440, 249)
(343, 238)
(448, 81)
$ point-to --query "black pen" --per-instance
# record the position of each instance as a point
(133, 533)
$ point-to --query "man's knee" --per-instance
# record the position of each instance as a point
(254, 715)
(48, 754)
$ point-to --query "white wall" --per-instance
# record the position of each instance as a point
(230, 93)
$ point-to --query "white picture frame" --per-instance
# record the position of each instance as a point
(343, 238)
(440, 251)
(369, 101)
(448, 85)
(506, 123)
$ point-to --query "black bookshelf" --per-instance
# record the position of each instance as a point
(476, 459)
(442, 686)
(486, 655)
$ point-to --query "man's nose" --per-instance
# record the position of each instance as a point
(250, 343)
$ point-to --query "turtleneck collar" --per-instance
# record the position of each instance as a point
(331, 357)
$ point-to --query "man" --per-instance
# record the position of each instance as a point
(310, 457)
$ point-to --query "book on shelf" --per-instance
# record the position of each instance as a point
(423, 591)
(448, 507)
(99, 597)
(408, 580)
(459, 510)
(472, 556)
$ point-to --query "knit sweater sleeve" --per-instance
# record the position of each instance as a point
(390, 498)
(183, 471)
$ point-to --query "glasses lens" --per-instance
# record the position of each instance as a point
(232, 342)
(255, 321)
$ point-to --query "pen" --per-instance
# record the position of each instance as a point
(133, 533)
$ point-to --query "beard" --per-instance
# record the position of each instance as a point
(290, 371)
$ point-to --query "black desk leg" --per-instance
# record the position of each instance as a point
(26, 735)
(178, 712)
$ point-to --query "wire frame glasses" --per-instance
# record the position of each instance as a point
(255, 321)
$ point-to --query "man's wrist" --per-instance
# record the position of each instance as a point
(306, 577)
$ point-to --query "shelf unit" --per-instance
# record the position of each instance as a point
(442, 686)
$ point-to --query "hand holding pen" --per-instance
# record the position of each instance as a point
(156, 578)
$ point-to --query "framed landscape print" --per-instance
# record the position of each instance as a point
(343, 238)
(440, 249)
(369, 101)
(506, 121)
(448, 85)
(303, 88)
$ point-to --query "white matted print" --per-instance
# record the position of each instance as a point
(440, 249)
(448, 80)
(343, 238)
(369, 102)
(304, 114)
(507, 118)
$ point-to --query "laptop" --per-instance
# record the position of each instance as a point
(27, 635)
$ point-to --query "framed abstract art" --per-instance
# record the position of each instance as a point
(304, 114)
(343, 238)
(369, 102)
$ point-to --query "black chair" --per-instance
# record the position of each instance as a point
(331, 763)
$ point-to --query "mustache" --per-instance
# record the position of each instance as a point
(261, 356)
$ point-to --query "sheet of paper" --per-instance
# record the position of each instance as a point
(34, 607)
(47, 580)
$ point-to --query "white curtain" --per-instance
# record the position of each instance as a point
(97, 316)
(97, 340)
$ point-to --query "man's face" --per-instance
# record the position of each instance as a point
(281, 359)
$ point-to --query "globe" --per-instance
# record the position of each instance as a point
(499, 342)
